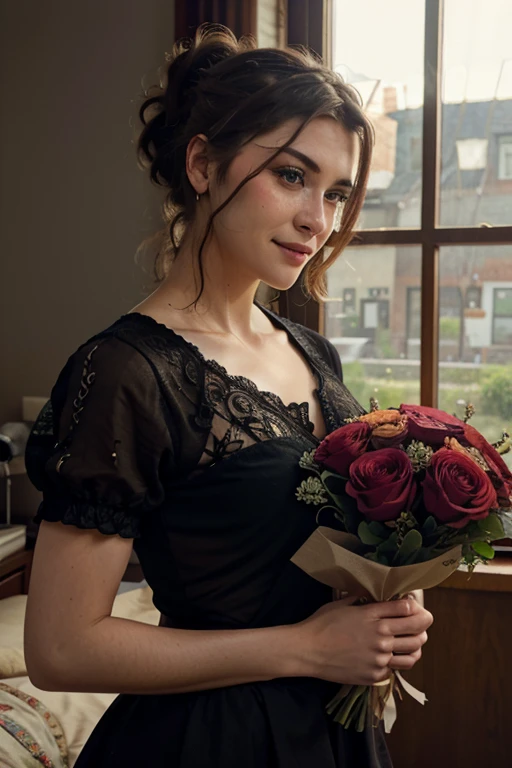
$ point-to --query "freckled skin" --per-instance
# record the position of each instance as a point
(269, 207)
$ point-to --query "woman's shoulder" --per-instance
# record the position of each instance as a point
(129, 345)
(318, 347)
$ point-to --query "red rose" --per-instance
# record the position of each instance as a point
(431, 425)
(500, 473)
(339, 449)
(456, 490)
(382, 483)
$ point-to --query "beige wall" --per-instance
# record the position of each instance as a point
(73, 204)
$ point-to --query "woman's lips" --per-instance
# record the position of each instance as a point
(294, 257)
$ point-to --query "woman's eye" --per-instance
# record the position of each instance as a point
(339, 197)
(291, 175)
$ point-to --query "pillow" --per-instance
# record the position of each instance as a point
(77, 713)
(135, 604)
(12, 617)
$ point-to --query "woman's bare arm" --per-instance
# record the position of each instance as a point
(72, 642)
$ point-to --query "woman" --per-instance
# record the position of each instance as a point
(178, 430)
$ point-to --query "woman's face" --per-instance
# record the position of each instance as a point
(283, 216)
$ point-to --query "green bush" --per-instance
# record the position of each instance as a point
(497, 392)
(449, 328)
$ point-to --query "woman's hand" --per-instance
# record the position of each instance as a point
(360, 644)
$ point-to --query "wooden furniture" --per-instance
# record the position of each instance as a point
(15, 573)
(466, 674)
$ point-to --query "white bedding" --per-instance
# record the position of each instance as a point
(77, 713)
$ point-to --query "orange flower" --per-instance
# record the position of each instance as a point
(389, 427)
(377, 418)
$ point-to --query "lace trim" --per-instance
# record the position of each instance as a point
(106, 518)
(259, 413)
(299, 412)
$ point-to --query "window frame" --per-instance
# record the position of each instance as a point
(430, 236)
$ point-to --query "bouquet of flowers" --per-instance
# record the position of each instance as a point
(405, 496)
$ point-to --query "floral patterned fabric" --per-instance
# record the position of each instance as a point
(30, 736)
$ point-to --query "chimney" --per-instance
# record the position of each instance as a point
(389, 99)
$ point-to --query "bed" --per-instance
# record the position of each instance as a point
(48, 728)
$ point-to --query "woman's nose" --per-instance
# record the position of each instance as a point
(311, 217)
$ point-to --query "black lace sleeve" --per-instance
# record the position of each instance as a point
(99, 446)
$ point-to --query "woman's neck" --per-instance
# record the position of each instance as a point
(226, 305)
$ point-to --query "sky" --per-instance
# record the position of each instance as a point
(383, 39)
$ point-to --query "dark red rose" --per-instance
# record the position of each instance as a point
(430, 425)
(456, 490)
(382, 483)
(339, 449)
(500, 473)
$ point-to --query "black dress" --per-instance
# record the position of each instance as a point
(145, 438)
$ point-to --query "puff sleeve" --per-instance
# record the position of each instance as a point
(101, 446)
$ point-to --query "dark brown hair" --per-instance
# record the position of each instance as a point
(232, 91)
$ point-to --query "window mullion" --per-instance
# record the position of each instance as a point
(430, 203)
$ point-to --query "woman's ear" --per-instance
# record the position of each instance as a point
(196, 163)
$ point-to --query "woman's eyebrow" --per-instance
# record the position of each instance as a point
(313, 166)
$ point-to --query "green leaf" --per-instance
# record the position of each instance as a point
(429, 526)
(375, 557)
(388, 548)
(492, 526)
(483, 549)
(506, 521)
(327, 473)
(367, 537)
(378, 529)
(411, 543)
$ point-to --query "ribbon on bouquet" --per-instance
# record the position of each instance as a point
(386, 711)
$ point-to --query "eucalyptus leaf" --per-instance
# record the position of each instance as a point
(367, 537)
(376, 557)
(410, 545)
(379, 529)
(389, 546)
(493, 526)
(506, 520)
(337, 482)
(429, 526)
(483, 549)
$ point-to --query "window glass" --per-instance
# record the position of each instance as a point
(386, 67)
(373, 318)
(476, 143)
(475, 336)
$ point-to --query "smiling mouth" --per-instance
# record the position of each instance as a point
(296, 257)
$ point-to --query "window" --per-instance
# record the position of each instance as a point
(436, 227)
(505, 157)
(349, 300)
(473, 296)
(502, 316)
(471, 154)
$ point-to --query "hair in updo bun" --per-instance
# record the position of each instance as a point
(232, 91)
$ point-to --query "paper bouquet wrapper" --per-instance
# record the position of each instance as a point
(333, 558)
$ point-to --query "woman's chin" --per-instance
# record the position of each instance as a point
(282, 282)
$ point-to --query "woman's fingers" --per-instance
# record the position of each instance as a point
(410, 625)
(404, 661)
(409, 643)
